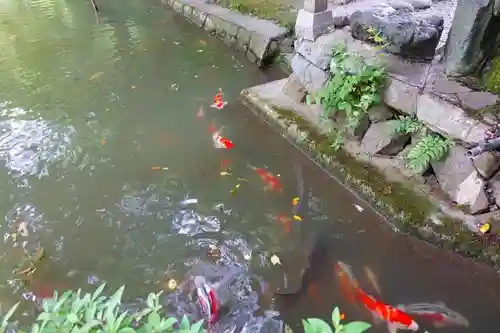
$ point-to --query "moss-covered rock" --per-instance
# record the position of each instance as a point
(493, 76)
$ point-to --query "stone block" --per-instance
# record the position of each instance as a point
(487, 164)
(401, 96)
(258, 49)
(178, 6)
(294, 89)
(197, 17)
(466, 45)
(311, 77)
(380, 113)
(243, 39)
(312, 25)
(382, 139)
(406, 34)
(449, 120)
(459, 179)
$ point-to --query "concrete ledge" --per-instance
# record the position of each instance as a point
(413, 205)
(259, 39)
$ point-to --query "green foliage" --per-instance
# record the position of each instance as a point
(74, 312)
(431, 147)
(408, 125)
(315, 325)
(377, 38)
(91, 313)
(353, 87)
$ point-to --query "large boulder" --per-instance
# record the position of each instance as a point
(472, 38)
(408, 35)
(458, 178)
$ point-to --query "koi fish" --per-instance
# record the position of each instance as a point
(219, 103)
(395, 318)
(207, 299)
(437, 313)
(286, 221)
(272, 182)
(220, 141)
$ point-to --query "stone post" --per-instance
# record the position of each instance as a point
(313, 20)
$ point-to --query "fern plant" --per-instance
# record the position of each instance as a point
(408, 125)
(431, 147)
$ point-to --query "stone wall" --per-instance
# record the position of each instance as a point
(444, 106)
(259, 39)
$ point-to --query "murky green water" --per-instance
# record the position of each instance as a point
(100, 143)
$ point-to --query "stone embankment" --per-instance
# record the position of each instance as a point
(449, 200)
(261, 40)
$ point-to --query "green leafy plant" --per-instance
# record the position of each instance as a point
(353, 87)
(408, 125)
(91, 313)
(315, 325)
(74, 312)
(431, 147)
(377, 38)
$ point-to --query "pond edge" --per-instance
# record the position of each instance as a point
(414, 210)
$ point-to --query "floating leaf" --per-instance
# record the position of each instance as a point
(172, 284)
(224, 173)
(295, 201)
(297, 218)
(275, 260)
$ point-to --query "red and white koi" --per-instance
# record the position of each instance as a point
(221, 141)
(395, 318)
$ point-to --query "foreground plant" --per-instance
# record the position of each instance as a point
(315, 325)
(75, 312)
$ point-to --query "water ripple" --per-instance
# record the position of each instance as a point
(30, 147)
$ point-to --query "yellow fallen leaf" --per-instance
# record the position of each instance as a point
(155, 168)
(103, 142)
(172, 284)
(297, 218)
(200, 50)
(224, 173)
(295, 201)
(275, 260)
(133, 87)
(237, 186)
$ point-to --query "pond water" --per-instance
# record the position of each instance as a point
(101, 141)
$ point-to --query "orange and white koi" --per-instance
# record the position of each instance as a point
(438, 314)
(272, 182)
(220, 141)
(395, 318)
(219, 103)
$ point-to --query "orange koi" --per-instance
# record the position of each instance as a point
(286, 221)
(395, 318)
(312, 291)
(272, 182)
